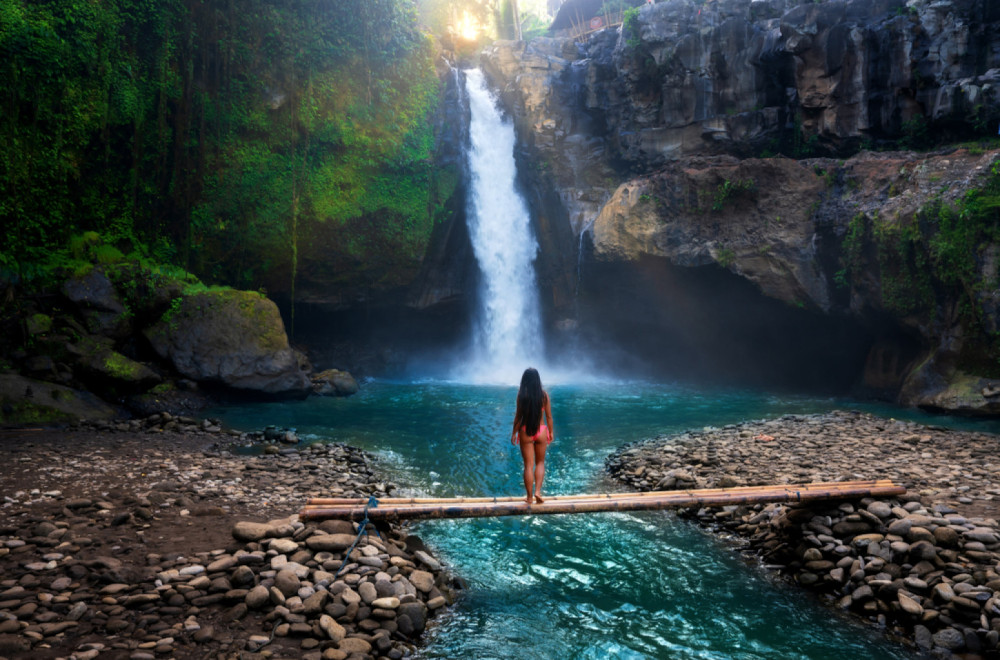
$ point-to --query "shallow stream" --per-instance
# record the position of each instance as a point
(610, 585)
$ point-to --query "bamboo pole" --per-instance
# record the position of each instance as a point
(830, 487)
(827, 489)
(360, 501)
(487, 507)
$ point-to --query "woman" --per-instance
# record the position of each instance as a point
(533, 436)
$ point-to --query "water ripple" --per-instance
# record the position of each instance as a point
(611, 585)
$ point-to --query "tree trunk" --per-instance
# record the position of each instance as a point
(516, 15)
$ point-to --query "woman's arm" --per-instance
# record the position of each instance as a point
(548, 418)
(514, 435)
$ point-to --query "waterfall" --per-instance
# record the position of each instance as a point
(507, 329)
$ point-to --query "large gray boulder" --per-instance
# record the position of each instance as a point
(235, 338)
(98, 301)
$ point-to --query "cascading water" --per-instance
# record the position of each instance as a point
(508, 328)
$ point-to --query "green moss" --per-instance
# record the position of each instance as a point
(39, 324)
(120, 367)
(932, 260)
(24, 414)
(630, 27)
(731, 190)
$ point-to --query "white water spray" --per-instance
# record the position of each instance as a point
(508, 327)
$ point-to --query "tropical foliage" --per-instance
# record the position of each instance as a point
(221, 136)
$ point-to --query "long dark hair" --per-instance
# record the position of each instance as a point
(530, 402)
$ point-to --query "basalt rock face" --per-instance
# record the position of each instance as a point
(654, 142)
(735, 76)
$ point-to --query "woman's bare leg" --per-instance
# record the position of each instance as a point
(539, 460)
(528, 456)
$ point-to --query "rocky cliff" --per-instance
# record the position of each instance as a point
(754, 138)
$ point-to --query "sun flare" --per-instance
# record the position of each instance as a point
(468, 27)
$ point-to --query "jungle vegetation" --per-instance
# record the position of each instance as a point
(231, 139)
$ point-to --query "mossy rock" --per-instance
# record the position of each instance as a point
(334, 382)
(235, 338)
(168, 397)
(27, 401)
(38, 324)
(114, 369)
(962, 394)
(100, 304)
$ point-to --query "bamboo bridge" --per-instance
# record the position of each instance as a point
(322, 508)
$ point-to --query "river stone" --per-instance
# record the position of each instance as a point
(287, 582)
(922, 551)
(422, 580)
(389, 603)
(351, 645)
(330, 542)
(76, 612)
(367, 592)
(880, 509)
(900, 527)
(946, 537)
(920, 534)
(949, 638)
(427, 560)
(350, 597)
(384, 587)
(922, 638)
(812, 554)
(333, 630)
(981, 534)
(416, 613)
(258, 597)
(910, 606)
(867, 539)
(221, 564)
(862, 593)
(61, 583)
(250, 532)
(243, 576)
(314, 604)
(846, 529)
(283, 546)
(338, 527)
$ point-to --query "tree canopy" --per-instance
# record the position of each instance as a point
(214, 134)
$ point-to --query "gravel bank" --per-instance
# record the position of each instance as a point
(154, 539)
(924, 566)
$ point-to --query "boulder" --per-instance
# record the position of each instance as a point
(29, 401)
(250, 531)
(111, 367)
(99, 303)
(334, 382)
(235, 338)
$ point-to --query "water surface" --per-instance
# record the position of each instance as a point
(611, 585)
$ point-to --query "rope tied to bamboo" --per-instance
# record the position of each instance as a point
(362, 529)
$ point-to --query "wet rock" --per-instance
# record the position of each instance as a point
(250, 531)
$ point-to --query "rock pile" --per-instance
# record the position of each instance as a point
(926, 564)
(117, 540)
(336, 590)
